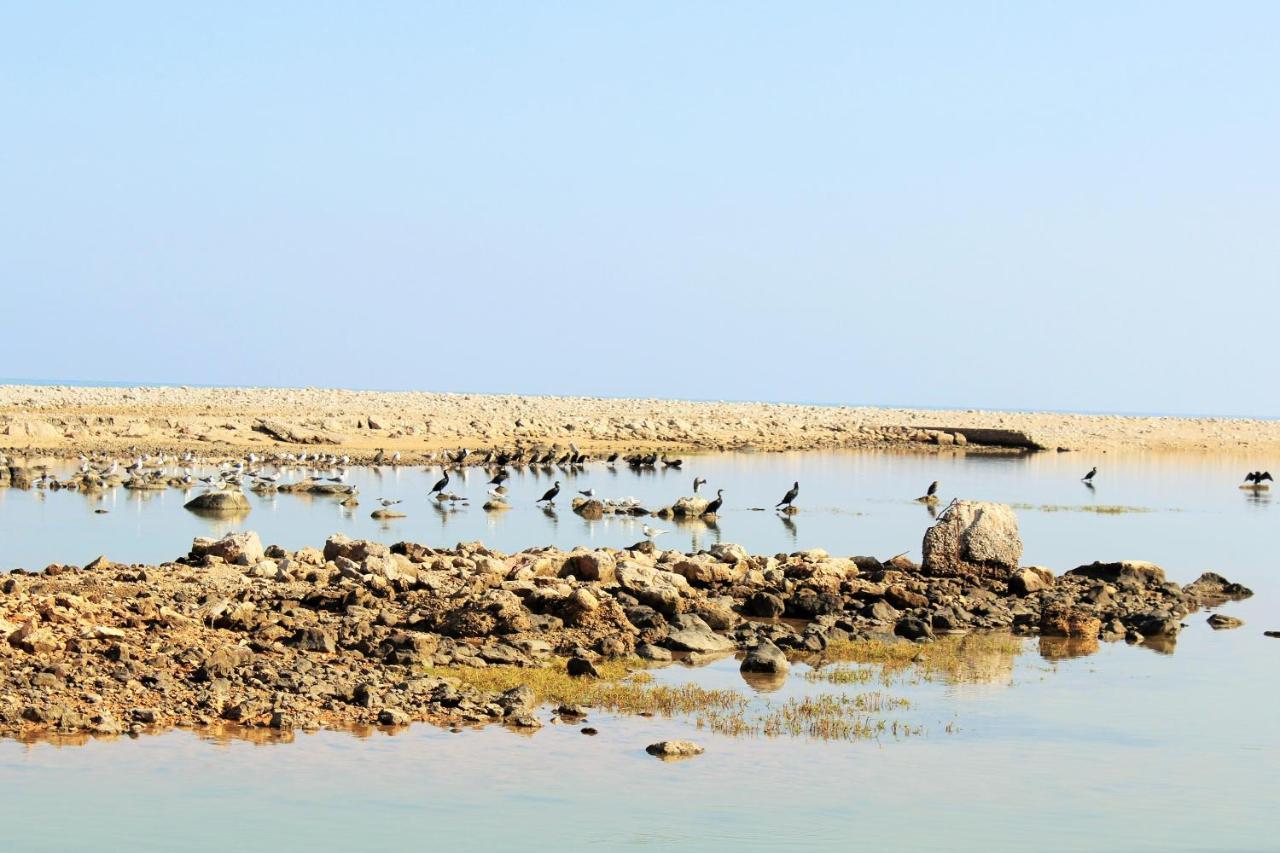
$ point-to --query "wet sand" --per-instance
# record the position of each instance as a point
(66, 419)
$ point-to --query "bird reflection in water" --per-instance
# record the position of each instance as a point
(789, 523)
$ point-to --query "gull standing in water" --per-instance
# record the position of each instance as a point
(652, 532)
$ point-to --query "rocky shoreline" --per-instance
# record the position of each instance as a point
(348, 634)
(66, 420)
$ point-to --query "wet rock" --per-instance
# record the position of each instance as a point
(1059, 622)
(229, 501)
(973, 539)
(674, 749)
(588, 508)
(385, 514)
(1220, 622)
(765, 657)
(1210, 587)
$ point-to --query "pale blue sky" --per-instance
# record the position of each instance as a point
(1024, 205)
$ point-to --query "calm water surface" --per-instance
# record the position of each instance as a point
(1127, 749)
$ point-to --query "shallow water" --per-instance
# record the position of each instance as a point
(1127, 749)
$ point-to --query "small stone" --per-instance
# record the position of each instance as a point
(1220, 622)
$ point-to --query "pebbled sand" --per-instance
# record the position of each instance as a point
(67, 419)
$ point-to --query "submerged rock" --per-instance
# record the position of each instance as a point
(674, 749)
(1220, 621)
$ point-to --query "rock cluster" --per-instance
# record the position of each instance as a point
(236, 632)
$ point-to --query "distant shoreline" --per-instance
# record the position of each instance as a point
(59, 419)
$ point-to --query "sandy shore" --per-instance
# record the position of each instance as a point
(67, 419)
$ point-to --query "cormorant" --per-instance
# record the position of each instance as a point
(550, 495)
(1256, 477)
(790, 495)
(500, 477)
(440, 484)
(715, 505)
(1088, 478)
(933, 489)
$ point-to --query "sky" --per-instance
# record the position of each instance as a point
(1024, 205)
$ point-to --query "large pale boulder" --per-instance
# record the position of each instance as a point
(973, 539)
(229, 501)
(243, 549)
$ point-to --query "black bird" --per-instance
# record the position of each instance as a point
(790, 495)
(671, 463)
(933, 489)
(440, 484)
(550, 496)
(698, 481)
(500, 477)
(1088, 478)
(613, 457)
(1256, 477)
(715, 505)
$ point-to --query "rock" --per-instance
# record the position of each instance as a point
(904, 599)
(764, 605)
(881, 611)
(315, 640)
(1210, 587)
(912, 628)
(766, 657)
(674, 749)
(691, 634)
(1057, 622)
(393, 717)
(358, 550)
(973, 539)
(1135, 571)
(1157, 625)
(728, 552)
(383, 514)
(228, 501)
(593, 566)
(590, 509)
(649, 651)
(1220, 622)
(1031, 579)
(1271, 633)
(579, 667)
(690, 507)
(242, 549)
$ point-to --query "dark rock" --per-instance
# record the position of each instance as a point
(913, 629)
(578, 667)
(764, 605)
